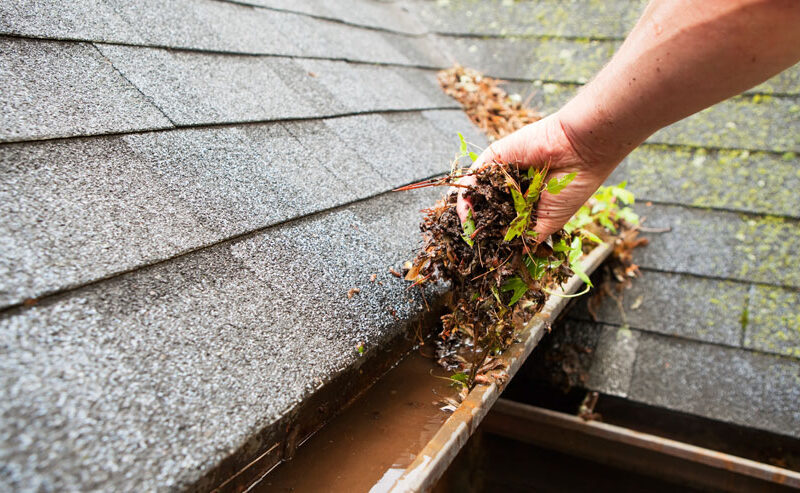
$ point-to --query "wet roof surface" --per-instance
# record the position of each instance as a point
(195, 188)
(191, 190)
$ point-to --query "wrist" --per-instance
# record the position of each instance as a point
(599, 135)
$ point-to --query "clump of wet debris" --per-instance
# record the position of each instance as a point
(499, 270)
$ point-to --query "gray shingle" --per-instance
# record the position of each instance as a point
(773, 322)
(725, 179)
(92, 20)
(579, 18)
(675, 304)
(197, 88)
(419, 50)
(722, 244)
(517, 58)
(451, 122)
(756, 122)
(84, 209)
(194, 88)
(369, 137)
(57, 89)
(612, 361)
(771, 124)
(403, 147)
(369, 88)
(147, 381)
(425, 150)
(425, 82)
(349, 170)
(207, 25)
(353, 43)
(732, 385)
(562, 60)
(380, 15)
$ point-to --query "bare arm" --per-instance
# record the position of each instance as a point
(682, 56)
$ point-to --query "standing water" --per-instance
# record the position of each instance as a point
(369, 445)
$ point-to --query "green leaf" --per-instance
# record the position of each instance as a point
(561, 246)
(575, 249)
(599, 207)
(555, 185)
(496, 294)
(463, 144)
(517, 285)
(473, 156)
(519, 200)
(628, 215)
(623, 195)
(578, 270)
(460, 377)
(591, 236)
(536, 266)
(517, 226)
(579, 220)
(606, 222)
(469, 228)
(535, 187)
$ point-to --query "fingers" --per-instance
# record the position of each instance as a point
(507, 149)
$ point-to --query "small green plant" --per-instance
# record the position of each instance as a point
(607, 206)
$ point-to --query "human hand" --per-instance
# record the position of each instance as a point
(548, 143)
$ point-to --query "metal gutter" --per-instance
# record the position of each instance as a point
(632, 450)
(438, 454)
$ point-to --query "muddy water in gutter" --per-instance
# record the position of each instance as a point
(369, 445)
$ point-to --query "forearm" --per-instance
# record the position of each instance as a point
(682, 56)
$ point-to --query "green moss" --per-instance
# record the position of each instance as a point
(775, 321)
(739, 123)
(747, 181)
(767, 250)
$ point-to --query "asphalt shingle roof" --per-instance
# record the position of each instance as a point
(193, 187)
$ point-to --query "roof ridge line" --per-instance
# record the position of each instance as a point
(232, 124)
(245, 3)
(681, 337)
(719, 209)
(204, 51)
(720, 278)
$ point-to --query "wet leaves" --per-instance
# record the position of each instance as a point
(486, 103)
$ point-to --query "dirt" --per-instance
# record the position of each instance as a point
(498, 279)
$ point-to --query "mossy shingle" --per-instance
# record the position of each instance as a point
(722, 244)
(774, 321)
(676, 304)
(575, 18)
(726, 179)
